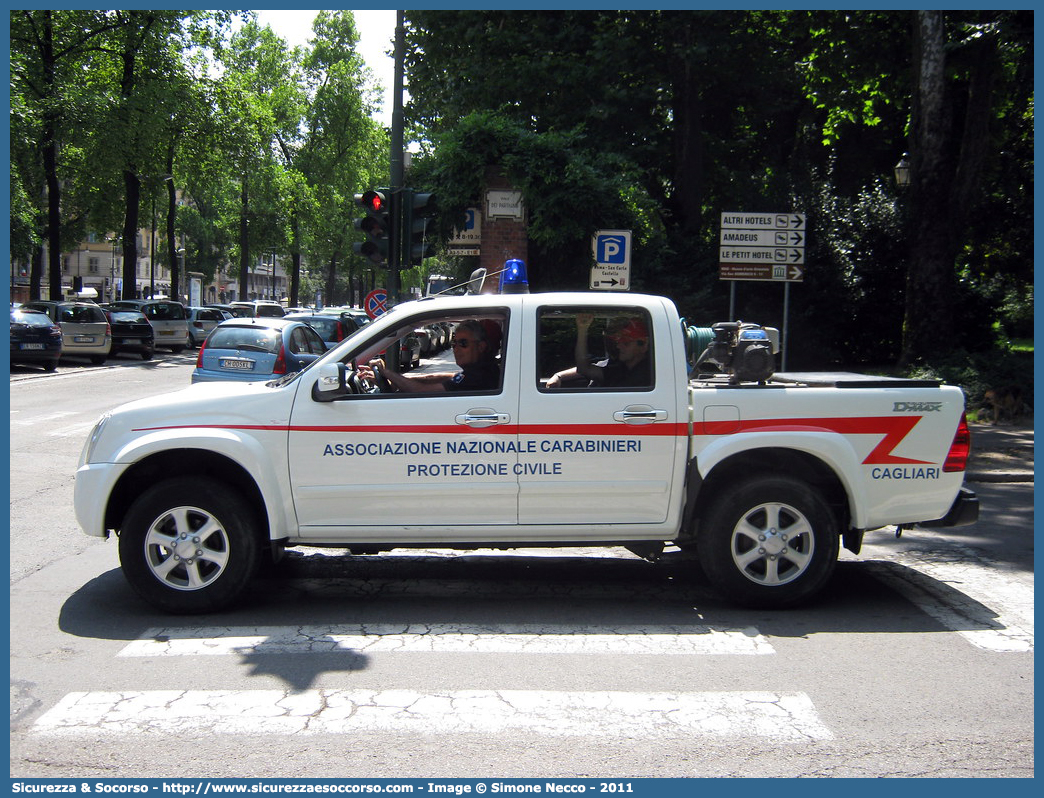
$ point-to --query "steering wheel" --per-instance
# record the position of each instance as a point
(383, 385)
(361, 384)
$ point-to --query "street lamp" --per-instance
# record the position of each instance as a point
(112, 268)
(903, 171)
(174, 285)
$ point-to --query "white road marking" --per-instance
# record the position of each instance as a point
(784, 717)
(75, 430)
(46, 418)
(413, 637)
(991, 609)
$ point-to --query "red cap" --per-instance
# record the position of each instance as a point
(493, 334)
(634, 330)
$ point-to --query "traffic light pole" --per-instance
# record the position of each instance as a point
(396, 158)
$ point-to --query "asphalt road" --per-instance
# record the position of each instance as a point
(917, 661)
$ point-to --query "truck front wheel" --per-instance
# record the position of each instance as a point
(188, 545)
(768, 542)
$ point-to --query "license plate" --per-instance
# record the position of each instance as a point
(166, 332)
(32, 346)
(133, 341)
(83, 339)
(229, 363)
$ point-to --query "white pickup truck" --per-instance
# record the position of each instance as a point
(763, 475)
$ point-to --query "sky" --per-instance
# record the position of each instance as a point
(376, 34)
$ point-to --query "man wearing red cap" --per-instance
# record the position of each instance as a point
(630, 368)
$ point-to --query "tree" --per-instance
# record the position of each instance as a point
(259, 101)
(48, 52)
(666, 99)
(338, 147)
(953, 124)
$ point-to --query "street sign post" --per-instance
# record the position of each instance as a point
(612, 257)
(376, 303)
(469, 240)
(762, 246)
(765, 247)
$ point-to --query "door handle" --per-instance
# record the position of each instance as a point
(639, 414)
(482, 417)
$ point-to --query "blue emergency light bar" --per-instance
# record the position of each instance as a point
(513, 278)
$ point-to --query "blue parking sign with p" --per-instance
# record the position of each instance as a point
(611, 248)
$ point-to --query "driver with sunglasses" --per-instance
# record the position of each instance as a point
(475, 344)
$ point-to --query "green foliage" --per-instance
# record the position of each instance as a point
(978, 372)
(569, 189)
(660, 122)
(654, 121)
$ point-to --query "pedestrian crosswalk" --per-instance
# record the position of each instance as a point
(450, 638)
(782, 717)
(957, 593)
(991, 609)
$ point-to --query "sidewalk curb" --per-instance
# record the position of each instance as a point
(998, 476)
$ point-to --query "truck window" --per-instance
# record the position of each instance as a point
(594, 348)
(462, 353)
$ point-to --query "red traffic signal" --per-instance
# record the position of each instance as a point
(374, 202)
(377, 225)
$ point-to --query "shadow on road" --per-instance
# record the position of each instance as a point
(564, 591)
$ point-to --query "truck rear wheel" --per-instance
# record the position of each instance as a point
(768, 542)
(188, 545)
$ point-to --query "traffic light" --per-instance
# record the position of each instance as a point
(418, 207)
(376, 224)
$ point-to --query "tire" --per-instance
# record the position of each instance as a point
(99, 360)
(768, 542)
(181, 572)
(51, 366)
(146, 354)
(177, 350)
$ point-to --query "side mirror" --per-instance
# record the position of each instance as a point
(331, 384)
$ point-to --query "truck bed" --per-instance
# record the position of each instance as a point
(849, 379)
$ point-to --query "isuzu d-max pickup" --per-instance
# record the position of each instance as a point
(591, 419)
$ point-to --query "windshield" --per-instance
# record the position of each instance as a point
(253, 339)
(30, 318)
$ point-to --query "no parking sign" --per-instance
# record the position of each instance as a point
(376, 303)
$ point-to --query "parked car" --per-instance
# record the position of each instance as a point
(259, 307)
(201, 322)
(131, 332)
(409, 352)
(226, 310)
(256, 349)
(332, 329)
(85, 328)
(358, 315)
(168, 318)
(35, 338)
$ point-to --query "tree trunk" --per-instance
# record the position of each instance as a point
(49, 147)
(244, 242)
(930, 282)
(331, 280)
(172, 208)
(132, 196)
(36, 273)
(687, 107)
(946, 180)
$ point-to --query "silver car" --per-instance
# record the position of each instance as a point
(168, 319)
(201, 322)
(85, 328)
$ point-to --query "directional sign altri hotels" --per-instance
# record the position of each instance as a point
(762, 246)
